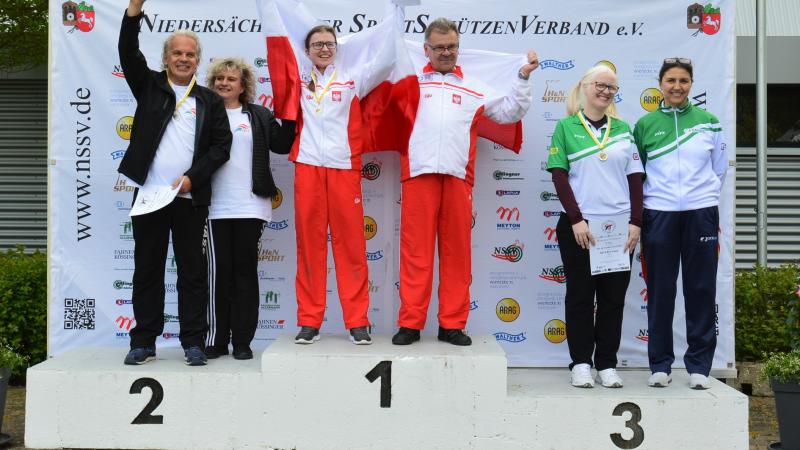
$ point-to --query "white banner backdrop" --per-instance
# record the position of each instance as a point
(517, 289)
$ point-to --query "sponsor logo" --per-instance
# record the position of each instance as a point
(122, 185)
(263, 80)
(117, 72)
(550, 117)
(374, 256)
(502, 193)
(635, 156)
(507, 309)
(646, 69)
(549, 301)
(242, 128)
(473, 305)
(260, 62)
(370, 227)
(124, 127)
(119, 284)
(277, 199)
(123, 301)
(644, 335)
(371, 170)
(555, 64)
(548, 196)
(127, 231)
(552, 239)
(271, 301)
(271, 324)
(125, 323)
(505, 280)
(607, 63)
(555, 274)
(552, 213)
(456, 99)
(117, 154)
(123, 254)
(283, 224)
(373, 287)
(555, 331)
(270, 255)
(708, 238)
(552, 95)
(704, 19)
(171, 318)
(169, 336)
(650, 99)
(79, 16)
(508, 337)
(511, 253)
(336, 96)
(509, 215)
(503, 175)
(643, 294)
(608, 226)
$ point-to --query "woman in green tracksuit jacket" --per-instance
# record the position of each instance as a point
(685, 161)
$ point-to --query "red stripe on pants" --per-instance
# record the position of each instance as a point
(330, 197)
(435, 204)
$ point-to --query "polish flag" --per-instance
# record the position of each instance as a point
(392, 90)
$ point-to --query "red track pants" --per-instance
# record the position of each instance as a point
(323, 197)
(435, 204)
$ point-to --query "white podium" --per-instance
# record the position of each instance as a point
(335, 395)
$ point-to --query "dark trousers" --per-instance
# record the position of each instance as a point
(233, 279)
(151, 234)
(687, 239)
(589, 333)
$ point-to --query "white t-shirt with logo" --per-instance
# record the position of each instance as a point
(232, 194)
(176, 149)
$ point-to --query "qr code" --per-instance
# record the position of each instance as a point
(79, 314)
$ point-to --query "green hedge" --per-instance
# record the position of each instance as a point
(765, 300)
(23, 305)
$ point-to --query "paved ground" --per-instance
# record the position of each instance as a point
(763, 424)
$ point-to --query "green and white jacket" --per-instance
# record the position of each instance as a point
(684, 157)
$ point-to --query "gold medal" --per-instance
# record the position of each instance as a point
(603, 156)
(599, 144)
(318, 98)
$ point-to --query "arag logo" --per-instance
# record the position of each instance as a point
(125, 323)
(124, 127)
(555, 274)
(277, 199)
(511, 253)
(650, 99)
(79, 16)
(555, 331)
(371, 170)
(704, 19)
(507, 309)
(370, 227)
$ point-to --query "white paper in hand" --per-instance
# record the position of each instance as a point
(153, 198)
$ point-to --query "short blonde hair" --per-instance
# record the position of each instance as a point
(577, 99)
(247, 77)
(168, 43)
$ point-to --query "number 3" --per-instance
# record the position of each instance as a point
(632, 423)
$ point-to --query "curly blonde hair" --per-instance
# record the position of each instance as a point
(247, 78)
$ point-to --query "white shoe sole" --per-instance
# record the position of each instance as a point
(305, 341)
(583, 386)
(660, 385)
(354, 341)
(616, 385)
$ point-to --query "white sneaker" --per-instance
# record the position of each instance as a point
(698, 381)
(659, 379)
(582, 376)
(609, 378)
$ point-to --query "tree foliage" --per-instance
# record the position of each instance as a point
(23, 34)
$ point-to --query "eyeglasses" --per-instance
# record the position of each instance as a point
(439, 49)
(320, 44)
(686, 61)
(600, 87)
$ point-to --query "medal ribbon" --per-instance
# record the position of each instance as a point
(186, 95)
(591, 134)
(327, 87)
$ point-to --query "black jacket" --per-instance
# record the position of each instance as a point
(267, 135)
(155, 103)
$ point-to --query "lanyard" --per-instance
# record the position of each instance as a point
(591, 134)
(325, 90)
(185, 96)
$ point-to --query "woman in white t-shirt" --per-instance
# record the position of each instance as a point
(598, 178)
(242, 191)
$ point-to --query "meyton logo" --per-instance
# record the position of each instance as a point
(124, 127)
(555, 331)
(705, 19)
(370, 227)
(644, 335)
(650, 99)
(555, 274)
(507, 309)
(508, 214)
(277, 199)
(125, 323)
(555, 64)
(78, 16)
(552, 239)
(643, 294)
(508, 337)
(511, 253)
(260, 62)
(371, 170)
(117, 72)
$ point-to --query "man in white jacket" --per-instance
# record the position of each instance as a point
(438, 174)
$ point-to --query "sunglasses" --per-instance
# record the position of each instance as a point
(685, 61)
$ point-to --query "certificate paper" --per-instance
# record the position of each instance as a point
(153, 198)
(608, 254)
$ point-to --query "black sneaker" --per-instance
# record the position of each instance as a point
(242, 352)
(405, 336)
(140, 355)
(360, 336)
(307, 335)
(214, 352)
(194, 356)
(455, 337)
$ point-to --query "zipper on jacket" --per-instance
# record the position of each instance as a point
(441, 125)
(678, 153)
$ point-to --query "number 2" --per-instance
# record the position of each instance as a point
(145, 416)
